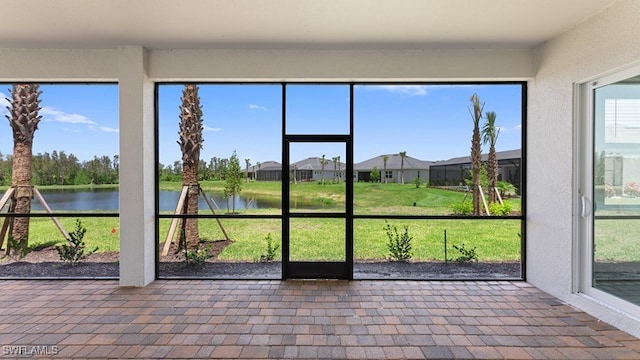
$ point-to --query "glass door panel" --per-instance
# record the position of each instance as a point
(317, 224)
(616, 190)
(317, 240)
(317, 177)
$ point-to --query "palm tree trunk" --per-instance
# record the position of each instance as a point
(190, 226)
(476, 152)
(23, 118)
(492, 174)
(476, 163)
(190, 141)
(21, 198)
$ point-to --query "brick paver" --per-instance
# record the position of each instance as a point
(299, 319)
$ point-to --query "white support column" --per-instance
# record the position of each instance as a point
(137, 158)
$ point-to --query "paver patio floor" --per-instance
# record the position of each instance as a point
(299, 319)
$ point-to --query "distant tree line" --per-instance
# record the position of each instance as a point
(58, 168)
(215, 169)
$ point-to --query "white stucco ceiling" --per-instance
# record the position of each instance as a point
(295, 24)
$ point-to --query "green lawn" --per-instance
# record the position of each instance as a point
(616, 240)
(369, 198)
(323, 239)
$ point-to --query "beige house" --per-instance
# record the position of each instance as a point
(395, 169)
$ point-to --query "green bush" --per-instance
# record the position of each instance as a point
(399, 245)
(465, 208)
(271, 250)
(20, 248)
(375, 175)
(466, 255)
(198, 256)
(74, 251)
(499, 210)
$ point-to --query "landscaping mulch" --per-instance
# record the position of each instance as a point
(45, 263)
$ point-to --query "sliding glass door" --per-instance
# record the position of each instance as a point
(608, 246)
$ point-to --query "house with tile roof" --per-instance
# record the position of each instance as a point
(454, 171)
(395, 169)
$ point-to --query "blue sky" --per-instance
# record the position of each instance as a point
(429, 122)
(77, 119)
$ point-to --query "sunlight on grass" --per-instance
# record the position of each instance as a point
(323, 239)
(248, 236)
(317, 240)
(494, 240)
(101, 232)
(617, 240)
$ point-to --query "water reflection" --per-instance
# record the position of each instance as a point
(107, 200)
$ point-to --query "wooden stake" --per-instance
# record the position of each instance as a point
(5, 223)
(6, 197)
(484, 201)
(180, 210)
(498, 194)
(206, 198)
(174, 221)
(44, 204)
(46, 207)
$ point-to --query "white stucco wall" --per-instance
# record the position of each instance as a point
(137, 68)
(599, 45)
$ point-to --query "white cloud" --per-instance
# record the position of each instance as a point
(53, 114)
(501, 129)
(108, 129)
(411, 90)
(207, 128)
(518, 127)
(257, 107)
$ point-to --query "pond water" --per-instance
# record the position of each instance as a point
(107, 200)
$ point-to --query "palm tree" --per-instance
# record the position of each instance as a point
(476, 151)
(23, 118)
(339, 170)
(490, 135)
(335, 167)
(259, 164)
(246, 170)
(190, 140)
(384, 161)
(323, 161)
(403, 154)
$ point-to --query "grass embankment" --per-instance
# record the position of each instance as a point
(71, 187)
(323, 239)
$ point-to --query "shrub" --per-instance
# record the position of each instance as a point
(609, 190)
(498, 209)
(417, 182)
(632, 189)
(20, 248)
(506, 189)
(466, 255)
(74, 251)
(375, 175)
(271, 250)
(197, 257)
(465, 208)
(399, 245)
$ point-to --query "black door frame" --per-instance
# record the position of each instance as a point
(317, 269)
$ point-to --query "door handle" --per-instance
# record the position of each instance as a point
(584, 202)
